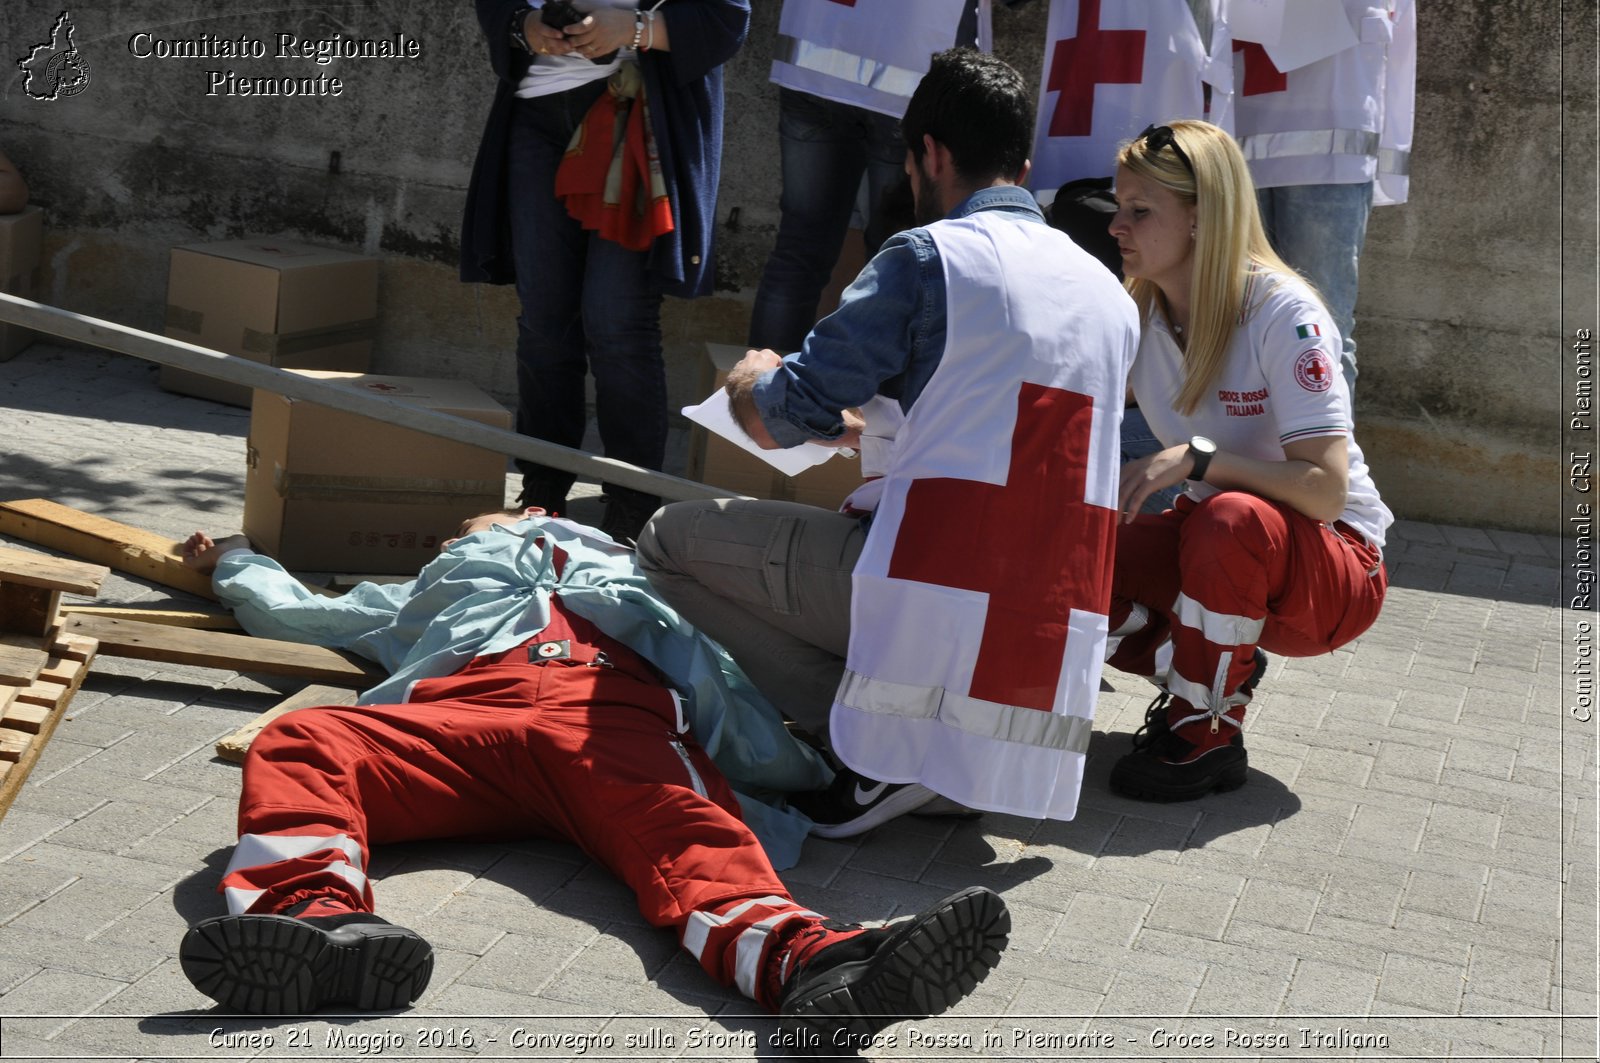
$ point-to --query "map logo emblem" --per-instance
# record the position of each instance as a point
(55, 69)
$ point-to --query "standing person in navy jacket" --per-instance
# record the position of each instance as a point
(588, 301)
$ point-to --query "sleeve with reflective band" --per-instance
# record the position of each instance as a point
(866, 53)
(1344, 119)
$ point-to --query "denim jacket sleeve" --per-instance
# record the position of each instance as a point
(886, 338)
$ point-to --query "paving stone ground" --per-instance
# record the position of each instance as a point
(1409, 874)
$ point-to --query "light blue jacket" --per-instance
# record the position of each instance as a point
(490, 592)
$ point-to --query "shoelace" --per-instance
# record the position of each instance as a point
(1154, 728)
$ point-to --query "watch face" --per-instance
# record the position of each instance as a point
(1204, 445)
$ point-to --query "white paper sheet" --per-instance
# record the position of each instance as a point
(716, 415)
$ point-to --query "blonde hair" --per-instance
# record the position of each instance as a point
(1229, 245)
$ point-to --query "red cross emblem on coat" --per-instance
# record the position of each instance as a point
(1033, 545)
(1090, 58)
(1261, 74)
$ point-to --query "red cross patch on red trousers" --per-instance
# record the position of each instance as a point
(1033, 545)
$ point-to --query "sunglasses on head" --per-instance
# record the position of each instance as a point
(1156, 137)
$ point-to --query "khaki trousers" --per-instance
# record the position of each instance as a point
(770, 581)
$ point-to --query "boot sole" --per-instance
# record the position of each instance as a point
(276, 965)
(929, 964)
(1145, 789)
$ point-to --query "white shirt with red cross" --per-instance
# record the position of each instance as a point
(1112, 67)
(978, 606)
(1280, 383)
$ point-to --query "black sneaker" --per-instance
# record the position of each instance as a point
(846, 987)
(281, 965)
(854, 804)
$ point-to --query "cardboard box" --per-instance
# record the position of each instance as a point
(330, 491)
(714, 460)
(21, 249)
(288, 304)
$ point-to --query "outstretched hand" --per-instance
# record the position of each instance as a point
(201, 552)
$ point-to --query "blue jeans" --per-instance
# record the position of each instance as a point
(826, 147)
(587, 305)
(1319, 230)
(1137, 441)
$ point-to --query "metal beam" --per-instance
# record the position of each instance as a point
(147, 345)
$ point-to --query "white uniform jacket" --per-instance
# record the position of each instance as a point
(867, 53)
(978, 612)
(1344, 119)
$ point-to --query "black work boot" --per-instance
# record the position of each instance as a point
(843, 983)
(1199, 758)
(284, 965)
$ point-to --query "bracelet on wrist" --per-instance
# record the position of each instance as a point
(638, 29)
(519, 26)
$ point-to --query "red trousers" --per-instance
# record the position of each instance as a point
(585, 744)
(1229, 574)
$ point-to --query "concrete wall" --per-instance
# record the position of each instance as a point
(1460, 317)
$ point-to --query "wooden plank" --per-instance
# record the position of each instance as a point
(23, 716)
(235, 370)
(121, 546)
(236, 745)
(44, 693)
(52, 573)
(39, 725)
(219, 649)
(74, 647)
(14, 743)
(26, 610)
(204, 619)
(59, 670)
(21, 660)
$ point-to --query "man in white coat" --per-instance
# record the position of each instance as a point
(944, 633)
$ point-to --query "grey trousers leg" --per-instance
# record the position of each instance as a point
(770, 581)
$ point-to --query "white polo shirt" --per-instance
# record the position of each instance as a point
(1280, 383)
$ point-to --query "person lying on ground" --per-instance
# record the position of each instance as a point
(539, 689)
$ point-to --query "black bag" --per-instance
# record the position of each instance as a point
(1082, 209)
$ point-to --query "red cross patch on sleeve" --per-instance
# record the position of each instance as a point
(1313, 371)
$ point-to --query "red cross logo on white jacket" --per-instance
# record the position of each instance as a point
(1093, 57)
(1261, 74)
(1034, 546)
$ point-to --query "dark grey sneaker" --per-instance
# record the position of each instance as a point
(854, 804)
(281, 965)
(846, 988)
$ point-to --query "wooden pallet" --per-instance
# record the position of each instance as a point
(30, 711)
(40, 666)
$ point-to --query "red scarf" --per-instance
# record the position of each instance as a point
(611, 177)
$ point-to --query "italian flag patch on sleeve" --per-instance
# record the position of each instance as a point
(1306, 332)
